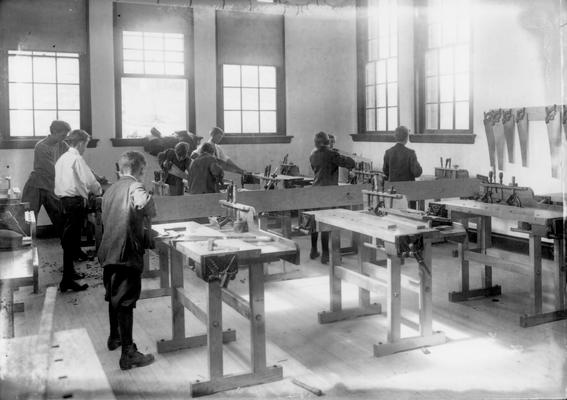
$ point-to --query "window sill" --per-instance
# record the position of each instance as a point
(121, 142)
(30, 143)
(442, 138)
(238, 139)
(373, 137)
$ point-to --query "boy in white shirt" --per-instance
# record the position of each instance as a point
(74, 181)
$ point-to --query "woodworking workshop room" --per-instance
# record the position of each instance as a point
(283, 199)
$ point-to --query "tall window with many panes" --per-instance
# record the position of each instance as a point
(381, 75)
(153, 83)
(42, 87)
(447, 67)
(249, 98)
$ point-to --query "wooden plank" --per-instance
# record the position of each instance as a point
(153, 293)
(227, 382)
(356, 278)
(363, 256)
(527, 320)
(199, 251)
(475, 256)
(7, 312)
(177, 309)
(327, 317)
(214, 329)
(166, 346)
(335, 290)
(198, 312)
(485, 228)
(384, 349)
(559, 272)
(425, 290)
(455, 297)
(379, 272)
(258, 317)
(394, 298)
(236, 302)
(18, 267)
(535, 262)
(435, 189)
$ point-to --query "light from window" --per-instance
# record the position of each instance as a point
(381, 83)
(249, 99)
(153, 102)
(42, 87)
(150, 53)
(447, 74)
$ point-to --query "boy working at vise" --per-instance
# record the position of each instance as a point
(126, 209)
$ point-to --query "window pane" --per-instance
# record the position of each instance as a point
(231, 75)
(132, 40)
(19, 69)
(21, 123)
(462, 58)
(136, 55)
(431, 116)
(72, 117)
(446, 88)
(249, 75)
(462, 115)
(268, 122)
(42, 121)
(381, 96)
(44, 96)
(446, 116)
(431, 90)
(449, 32)
(434, 35)
(371, 120)
(20, 95)
(370, 73)
(250, 99)
(155, 68)
(392, 70)
(231, 99)
(148, 102)
(381, 72)
(384, 47)
(370, 96)
(153, 41)
(174, 69)
(174, 56)
(372, 28)
(381, 119)
(232, 122)
(461, 87)
(68, 70)
(133, 67)
(463, 30)
(250, 122)
(174, 42)
(394, 45)
(44, 69)
(372, 49)
(446, 61)
(68, 97)
(267, 99)
(431, 59)
(393, 94)
(392, 118)
(153, 55)
(268, 77)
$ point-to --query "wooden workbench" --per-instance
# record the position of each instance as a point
(283, 181)
(208, 264)
(396, 236)
(537, 223)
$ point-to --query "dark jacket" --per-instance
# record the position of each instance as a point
(325, 164)
(400, 164)
(126, 210)
(205, 175)
(45, 156)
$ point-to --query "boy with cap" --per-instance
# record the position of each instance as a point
(126, 210)
(325, 163)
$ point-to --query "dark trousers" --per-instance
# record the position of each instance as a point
(123, 286)
(324, 241)
(73, 215)
(42, 197)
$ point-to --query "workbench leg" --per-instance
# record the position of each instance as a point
(7, 312)
(425, 292)
(394, 298)
(334, 282)
(163, 252)
(535, 260)
(363, 256)
(485, 230)
(214, 329)
(257, 317)
(559, 264)
(177, 308)
(286, 224)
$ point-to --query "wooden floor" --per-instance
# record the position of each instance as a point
(488, 354)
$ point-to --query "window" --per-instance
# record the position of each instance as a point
(42, 87)
(153, 83)
(446, 105)
(381, 69)
(249, 96)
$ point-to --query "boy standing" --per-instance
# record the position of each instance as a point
(205, 174)
(74, 181)
(126, 209)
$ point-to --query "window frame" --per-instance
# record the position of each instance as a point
(189, 76)
(21, 142)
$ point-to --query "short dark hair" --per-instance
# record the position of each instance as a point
(77, 136)
(321, 139)
(181, 149)
(216, 131)
(401, 134)
(131, 162)
(208, 148)
(59, 126)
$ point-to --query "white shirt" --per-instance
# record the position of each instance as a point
(73, 177)
(219, 152)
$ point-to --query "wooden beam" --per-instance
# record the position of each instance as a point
(166, 346)
(197, 311)
(153, 293)
(435, 189)
(236, 302)
(485, 259)
(384, 349)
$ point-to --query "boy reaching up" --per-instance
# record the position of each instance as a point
(126, 207)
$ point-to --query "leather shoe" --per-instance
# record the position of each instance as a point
(73, 286)
(132, 358)
(113, 343)
(325, 258)
(314, 254)
(77, 276)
